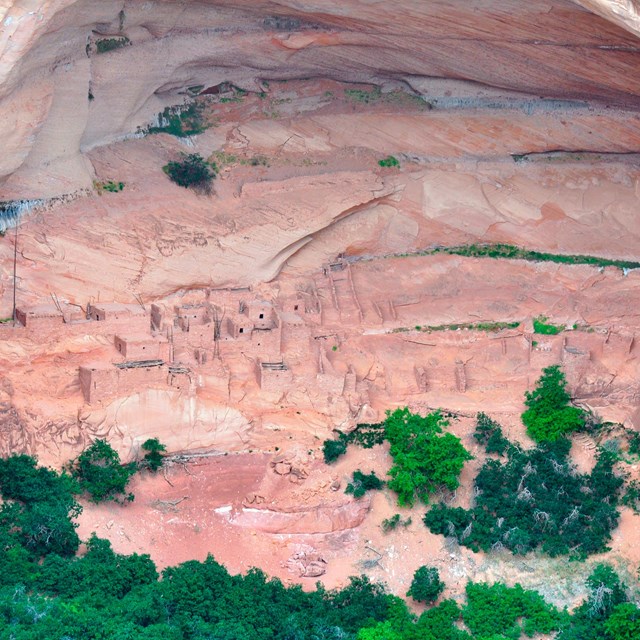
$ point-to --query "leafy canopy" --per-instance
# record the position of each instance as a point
(426, 585)
(549, 414)
(624, 622)
(99, 473)
(35, 517)
(45, 594)
(500, 610)
(424, 459)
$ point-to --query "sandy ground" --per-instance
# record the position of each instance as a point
(193, 510)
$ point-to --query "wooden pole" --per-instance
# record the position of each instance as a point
(15, 264)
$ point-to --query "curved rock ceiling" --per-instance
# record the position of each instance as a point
(48, 64)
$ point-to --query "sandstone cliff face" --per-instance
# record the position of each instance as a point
(50, 65)
(626, 13)
(510, 122)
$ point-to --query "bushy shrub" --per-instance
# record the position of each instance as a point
(38, 505)
(631, 497)
(489, 433)
(543, 327)
(181, 121)
(111, 44)
(605, 594)
(333, 449)
(193, 171)
(108, 185)
(365, 435)
(549, 414)
(624, 622)
(536, 499)
(102, 594)
(426, 585)
(362, 483)
(498, 610)
(389, 161)
(511, 252)
(395, 521)
(154, 458)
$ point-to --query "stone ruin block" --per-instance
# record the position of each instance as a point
(261, 314)
(142, 347)
(98, 382)
(461, 377)
(274, 376)
(421, 379)
(42, 316)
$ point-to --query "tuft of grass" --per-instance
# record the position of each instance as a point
(478, 326)
(108, 185)
(363, 96)
(256, 161)
(398, 97)
(512, 252)
(238, 95)
(392, 523)
(224, 159)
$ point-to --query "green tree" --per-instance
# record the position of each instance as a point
(605, 592)
(549, 414)
(426, 585)
(100, 474)
(423, 459)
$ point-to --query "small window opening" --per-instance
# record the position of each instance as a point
(261, 316)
